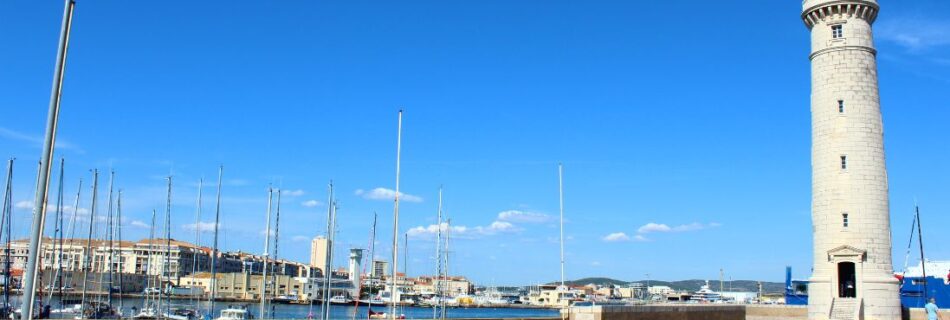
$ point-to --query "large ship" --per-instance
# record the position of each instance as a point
(796, 291)
(936, 284)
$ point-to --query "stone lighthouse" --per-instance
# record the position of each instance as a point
(853, 275)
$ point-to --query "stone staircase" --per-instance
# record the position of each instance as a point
(843, 308)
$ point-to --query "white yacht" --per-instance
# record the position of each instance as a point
(235, 314)
(706, 295)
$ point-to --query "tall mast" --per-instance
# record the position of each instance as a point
(42, 186)
(448, 236)
(438, 261)
(270, 196)
(920, 241)
(57, 237)
(214, 248)
(194, 255)
(109, 234)
(163, 297)
(392, 280)
(72, 223)
(330, 242)
(276, 247)
(5, 229)
(560, 183)
(327, 264)
(92, 219)
(148, 262)
(118, 222)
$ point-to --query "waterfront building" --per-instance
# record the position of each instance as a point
(852, 276)
(243, 286)
(553, 296)
(380, 269)
(660, 290)
(318, 253)
(450, 286)
(312, 288)
(150, 258)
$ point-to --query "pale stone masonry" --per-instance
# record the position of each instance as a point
(852, 276)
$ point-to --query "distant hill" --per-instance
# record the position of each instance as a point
(597, 280)
(687, 285)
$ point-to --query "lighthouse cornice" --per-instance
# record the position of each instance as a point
(815, 11)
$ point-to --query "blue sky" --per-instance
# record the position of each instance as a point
(685, 130)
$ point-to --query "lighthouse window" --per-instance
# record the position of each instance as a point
(844, 162)
(837, 32)
(844, 220)
(840, 106)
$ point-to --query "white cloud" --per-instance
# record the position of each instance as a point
(616, 237)
(595, 263)
(300, 238)
(202, 226)
(140, 224)
(523, 216)
(311, 203)
(292, 193)
(914, 33)
(36, 140)
(27, 205)
(24, 205)
(653, 227)
(434, 229)
(386, 194)
(500, 226)
(457, 231)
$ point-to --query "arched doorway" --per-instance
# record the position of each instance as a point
(847, 284)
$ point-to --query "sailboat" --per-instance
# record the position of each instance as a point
(369, 301)
(70, 307)
(149, 307)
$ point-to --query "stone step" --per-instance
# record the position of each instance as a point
(843, 309)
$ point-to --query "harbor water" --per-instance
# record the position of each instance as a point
(305, 311)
